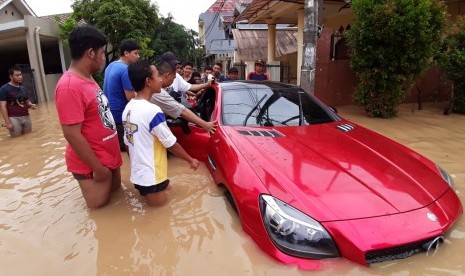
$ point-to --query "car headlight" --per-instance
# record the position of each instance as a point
(295, 233)
(446, 177)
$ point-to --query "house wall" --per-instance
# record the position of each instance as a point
(290, 60)
(52, 80)
(335, 81)
(216, 42)
(456, 8)
(10, 13)
(47, 27)
(342, 19)
(37, 27)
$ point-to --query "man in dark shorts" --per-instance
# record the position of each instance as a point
(92, 154)
(147, 134)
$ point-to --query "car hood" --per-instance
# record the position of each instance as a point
(339, 171)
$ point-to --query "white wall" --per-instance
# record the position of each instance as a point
(10, 13)
(52, 80)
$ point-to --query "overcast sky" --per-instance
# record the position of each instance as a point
(185, 12)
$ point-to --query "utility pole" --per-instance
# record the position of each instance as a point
(307, 75)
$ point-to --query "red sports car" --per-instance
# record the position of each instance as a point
(310, 185)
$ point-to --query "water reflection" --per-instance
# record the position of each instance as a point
(46, 228)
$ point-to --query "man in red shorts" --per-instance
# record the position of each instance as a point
(92, 153)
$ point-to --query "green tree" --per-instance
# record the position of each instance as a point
(66, 27)
(138, 20)
(391, 43)
(118, 20)
(177, 39)
(452, 60)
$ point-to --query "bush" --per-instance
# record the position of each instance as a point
(391, 43)
(452, 60)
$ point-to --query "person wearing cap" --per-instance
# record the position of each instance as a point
(170, 106)
(258, 74)
(232, 74)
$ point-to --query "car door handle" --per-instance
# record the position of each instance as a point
(212, 163)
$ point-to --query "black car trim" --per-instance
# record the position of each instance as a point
(261, 133)
(212, 163)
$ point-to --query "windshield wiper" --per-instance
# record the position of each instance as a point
(253, 109)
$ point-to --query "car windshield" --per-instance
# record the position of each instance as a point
(271, 105)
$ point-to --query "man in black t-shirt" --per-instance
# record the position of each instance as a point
(15, 104)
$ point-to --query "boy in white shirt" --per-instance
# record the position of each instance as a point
(147, 135)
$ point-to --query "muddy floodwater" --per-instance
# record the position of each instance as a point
(46, 229)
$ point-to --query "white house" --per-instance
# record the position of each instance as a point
(34, 44)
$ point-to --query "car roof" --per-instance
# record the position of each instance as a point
(240, 84)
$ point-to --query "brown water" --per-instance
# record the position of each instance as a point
(46, 228)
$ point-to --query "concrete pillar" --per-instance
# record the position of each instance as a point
(62, 55)
(300, 42)
(32, 53)
(271, 40)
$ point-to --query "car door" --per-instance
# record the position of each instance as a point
(194, 141)
(193, 138)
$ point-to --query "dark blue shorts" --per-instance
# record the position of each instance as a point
(83, 176)
(145, 190)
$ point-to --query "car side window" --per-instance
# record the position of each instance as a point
(207, 104)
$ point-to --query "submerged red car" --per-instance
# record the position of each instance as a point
(310, 185)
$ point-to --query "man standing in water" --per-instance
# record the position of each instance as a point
(15, 105)
(147, 134)
(92, 154)
(117, 86)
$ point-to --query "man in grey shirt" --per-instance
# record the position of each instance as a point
(173, 108)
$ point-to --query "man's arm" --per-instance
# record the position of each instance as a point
(174, 109)
(190, 93)
(30, 105)
(73, 135)
(8, 124)
(209, 127)
(179, 151)
(168, 104)
(129, 94)
(200, 86)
